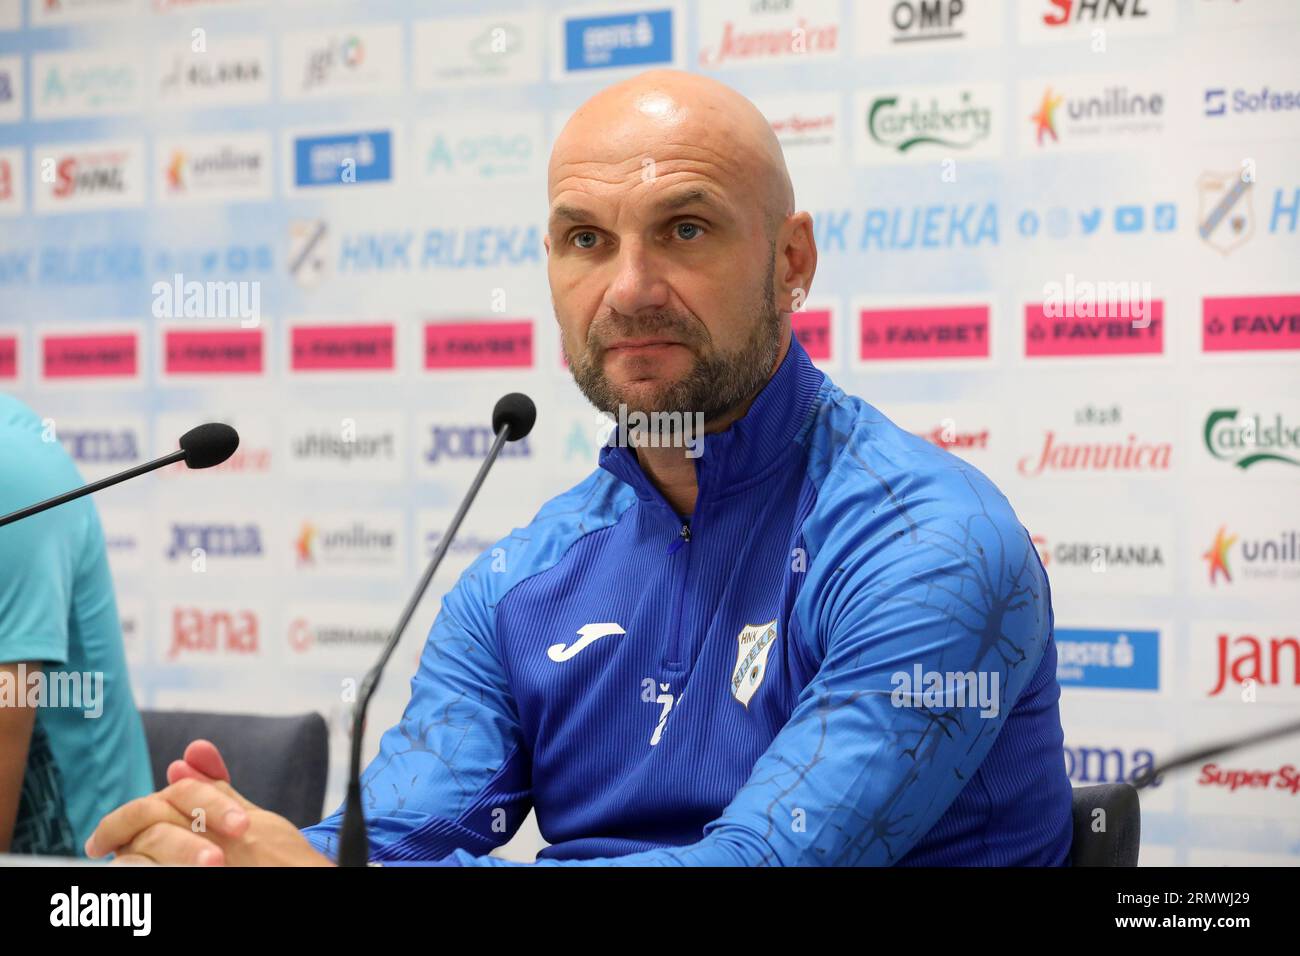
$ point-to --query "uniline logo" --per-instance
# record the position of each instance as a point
(1269, 559)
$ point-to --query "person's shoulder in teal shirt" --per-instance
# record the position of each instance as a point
(88, 754)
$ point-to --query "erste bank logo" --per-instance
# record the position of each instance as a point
(342, 159)
(1108, 659)
(639, 38)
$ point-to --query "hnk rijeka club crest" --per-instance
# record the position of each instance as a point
(756, 642)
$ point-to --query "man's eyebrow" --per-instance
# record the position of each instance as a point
(576, 215)
(564, 213)
(689, 197)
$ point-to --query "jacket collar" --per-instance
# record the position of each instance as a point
(747, 450)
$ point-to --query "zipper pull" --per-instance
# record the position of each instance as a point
(684, 537)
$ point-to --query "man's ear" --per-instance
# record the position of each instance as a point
(796, 262)
(546, 244)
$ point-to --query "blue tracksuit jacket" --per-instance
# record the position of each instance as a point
(843, 656)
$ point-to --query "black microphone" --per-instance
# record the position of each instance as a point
(512, 419)
(201, 447)
(1149, 776)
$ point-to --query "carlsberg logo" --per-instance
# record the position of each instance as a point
(1247, 440)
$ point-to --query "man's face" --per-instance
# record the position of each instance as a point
(662, 277)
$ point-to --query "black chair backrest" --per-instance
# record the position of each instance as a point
(1107, 825)
(279, 763)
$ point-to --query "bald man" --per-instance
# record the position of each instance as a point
(807, 637)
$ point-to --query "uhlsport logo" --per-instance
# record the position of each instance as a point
(1245, 439)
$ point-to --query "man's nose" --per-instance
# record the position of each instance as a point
(638, 284)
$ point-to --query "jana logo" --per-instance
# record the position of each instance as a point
(904, 127)
(1249, 440)
(755, 643)
(1226, 217)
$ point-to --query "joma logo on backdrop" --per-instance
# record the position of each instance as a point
(214, 540)
(468, 441)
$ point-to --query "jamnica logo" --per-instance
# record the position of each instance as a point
(1062, 455)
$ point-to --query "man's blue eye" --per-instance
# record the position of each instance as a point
(579, 239)
(694, 230)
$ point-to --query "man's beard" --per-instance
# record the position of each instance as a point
(716, 383)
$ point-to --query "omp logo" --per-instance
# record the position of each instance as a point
(588, 634)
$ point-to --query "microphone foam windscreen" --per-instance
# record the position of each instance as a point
(209, 444)
(517, 411)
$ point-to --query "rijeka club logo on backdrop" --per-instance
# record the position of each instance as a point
(923, 332)
(741, 32)
(1233, 556)
(492, 344)
(1098, 441)
(370, 346)
(1248, 439)
(205, 632)
(1250, 323)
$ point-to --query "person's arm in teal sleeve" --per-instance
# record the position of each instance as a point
(863, 769)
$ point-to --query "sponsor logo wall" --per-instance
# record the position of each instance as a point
(1058, 240)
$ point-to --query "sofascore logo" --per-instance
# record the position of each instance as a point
(1245, 440)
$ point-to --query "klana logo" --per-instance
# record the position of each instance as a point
(1249, 440)
(199, 631)
(1247, 659)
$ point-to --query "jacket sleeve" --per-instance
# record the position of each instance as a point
(874, 753)
(454, 772)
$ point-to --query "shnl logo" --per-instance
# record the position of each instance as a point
(1226, 218)
(1247, 440)
(942, 121)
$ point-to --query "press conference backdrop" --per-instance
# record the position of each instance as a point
(1057, 238)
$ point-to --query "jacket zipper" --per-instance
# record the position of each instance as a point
(674, 645)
